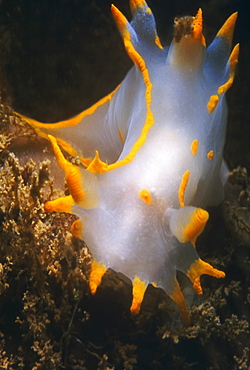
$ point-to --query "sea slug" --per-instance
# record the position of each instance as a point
(151, 154)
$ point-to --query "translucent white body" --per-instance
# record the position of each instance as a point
(174, 89)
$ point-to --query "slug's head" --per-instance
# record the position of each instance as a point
(189, 26)
(188, 47)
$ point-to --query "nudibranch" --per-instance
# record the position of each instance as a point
(151, 156)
